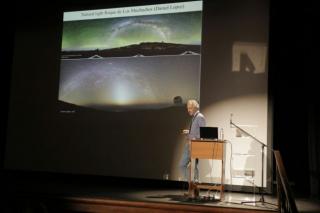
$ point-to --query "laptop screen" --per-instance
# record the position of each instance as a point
(209, 133)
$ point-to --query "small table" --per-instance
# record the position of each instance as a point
(207, 149)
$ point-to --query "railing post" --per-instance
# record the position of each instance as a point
(286, 200)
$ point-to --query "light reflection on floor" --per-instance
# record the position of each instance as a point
(232, 199)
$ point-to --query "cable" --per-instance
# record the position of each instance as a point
(211, 177)
(231, 163)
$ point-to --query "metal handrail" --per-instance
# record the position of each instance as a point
(286, 202)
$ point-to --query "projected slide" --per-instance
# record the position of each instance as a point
(132, 58)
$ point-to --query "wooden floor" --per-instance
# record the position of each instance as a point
(52, 193)
(69, 198)
(80, 204)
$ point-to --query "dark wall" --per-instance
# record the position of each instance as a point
(292, 81)
(6, 54)
(133, 144)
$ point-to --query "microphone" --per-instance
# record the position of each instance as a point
(231, 120)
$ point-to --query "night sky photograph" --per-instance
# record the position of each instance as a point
(128, 63)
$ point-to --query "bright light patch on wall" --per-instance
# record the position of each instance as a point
(249, 57)
(250, 113)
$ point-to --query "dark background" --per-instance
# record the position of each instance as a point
(292, 84)
(142, 144)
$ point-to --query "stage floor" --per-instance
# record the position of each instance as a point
(232, 199)
(124, 192)
(155, 194)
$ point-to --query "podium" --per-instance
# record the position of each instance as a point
(207, 149)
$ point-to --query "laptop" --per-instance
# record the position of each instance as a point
(209, 133)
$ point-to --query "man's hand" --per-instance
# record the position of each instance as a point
(185, 131)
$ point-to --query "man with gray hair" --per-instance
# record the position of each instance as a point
(198, 120)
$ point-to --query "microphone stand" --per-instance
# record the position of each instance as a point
(262, 162)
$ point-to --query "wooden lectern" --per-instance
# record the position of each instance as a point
(207, 149)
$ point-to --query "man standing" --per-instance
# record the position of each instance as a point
(198, 120)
